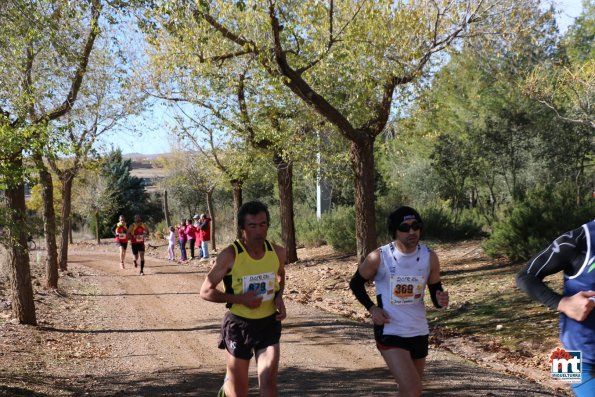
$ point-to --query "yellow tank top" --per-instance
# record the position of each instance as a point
(248, 274)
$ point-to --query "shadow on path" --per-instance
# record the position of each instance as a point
(293, 381)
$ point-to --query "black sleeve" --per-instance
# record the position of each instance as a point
(434, 288)
(114, 229)
(565, 254)
(204, 225)
(358, 287)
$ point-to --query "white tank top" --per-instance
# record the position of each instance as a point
(400, 285)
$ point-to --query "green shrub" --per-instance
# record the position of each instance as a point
(338, 227)
(534, 221)
(161, 230)
(309, 231)
(440, 224)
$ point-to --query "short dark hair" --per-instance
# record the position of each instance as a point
(398, 216)
(252, 208)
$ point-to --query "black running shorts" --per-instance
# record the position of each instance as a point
(123, 245)
(136, 248)
(416, 345)
(242, 336)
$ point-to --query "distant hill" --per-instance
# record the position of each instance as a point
(141, 156)
(143, 166)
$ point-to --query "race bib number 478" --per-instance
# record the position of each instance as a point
(263, 284)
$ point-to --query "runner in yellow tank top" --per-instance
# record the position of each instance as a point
(258, 275)
(253, 272)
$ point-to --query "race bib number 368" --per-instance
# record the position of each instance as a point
(406, 289)
(263, 284)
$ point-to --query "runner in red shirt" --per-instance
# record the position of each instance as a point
(121, 232)
(138, 233)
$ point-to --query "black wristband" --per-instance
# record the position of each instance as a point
(434, 288)
(358, 287)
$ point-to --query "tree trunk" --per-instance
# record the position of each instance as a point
(237, 203)
(166, 209)
(97, 227)
(70, 232)
(285, 181)
(23, 306)
(212, 215)
(49, 228)
(362, 164)
(66, 180)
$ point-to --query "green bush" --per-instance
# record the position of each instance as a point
(534, 221)
(309, 231)
(161, 230)
(338, 227)
(440, 224)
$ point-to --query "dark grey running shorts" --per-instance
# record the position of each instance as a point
(416, 345)
(241, 337)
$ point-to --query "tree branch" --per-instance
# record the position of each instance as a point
(81, 69)
(332, 39)
(298, 85)
(245, 117)
(228, 34)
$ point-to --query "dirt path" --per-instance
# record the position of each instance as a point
(154, 336)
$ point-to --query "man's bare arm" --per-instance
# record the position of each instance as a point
(211, 293)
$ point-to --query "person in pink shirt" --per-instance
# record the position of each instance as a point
(182, 240)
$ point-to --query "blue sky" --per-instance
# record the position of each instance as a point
(151, 136)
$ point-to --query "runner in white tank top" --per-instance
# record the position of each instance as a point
(401, 270)
(400, 284)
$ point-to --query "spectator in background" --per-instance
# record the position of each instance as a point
(204, 224)
(182, 240)
(171, 243)
(198, 235)
(191, 236)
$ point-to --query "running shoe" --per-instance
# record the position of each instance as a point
(222, 390)
(141, 274)
(122, 265)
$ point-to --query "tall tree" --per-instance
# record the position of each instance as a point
(566, 86)
(476, 109)
(94, 198)
(44, 48)
(344, 60)
(125, 190)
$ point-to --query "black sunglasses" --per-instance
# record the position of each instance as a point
(405, 227)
